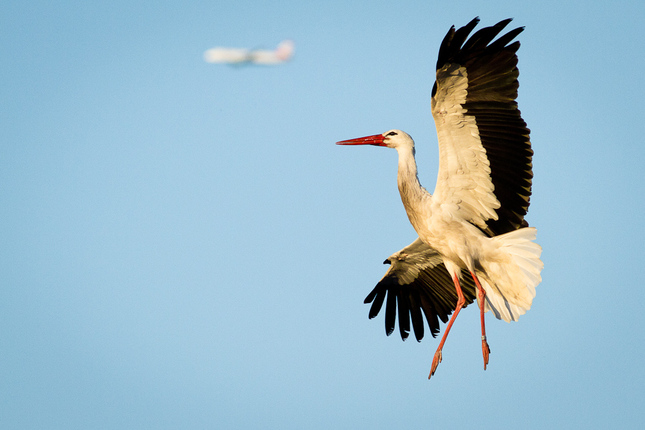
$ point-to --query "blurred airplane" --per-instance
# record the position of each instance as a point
(281, 54)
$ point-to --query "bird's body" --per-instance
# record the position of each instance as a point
(445, 224)
(474, 220)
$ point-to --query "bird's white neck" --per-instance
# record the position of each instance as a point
(413, 195)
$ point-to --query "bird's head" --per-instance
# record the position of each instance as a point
(391, 139)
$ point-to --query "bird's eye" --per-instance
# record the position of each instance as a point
(391, 133)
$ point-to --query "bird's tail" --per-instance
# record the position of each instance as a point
(516, 273)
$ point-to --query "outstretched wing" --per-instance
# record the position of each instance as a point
(485, 167)
(417, 281)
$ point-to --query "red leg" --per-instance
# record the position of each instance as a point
(460, 303)
(481, 296)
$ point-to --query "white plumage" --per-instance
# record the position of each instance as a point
(474, 220)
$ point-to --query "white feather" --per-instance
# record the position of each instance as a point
(511, 276)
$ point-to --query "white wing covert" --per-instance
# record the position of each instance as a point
(485, 154)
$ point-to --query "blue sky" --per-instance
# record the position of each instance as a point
(183, 245)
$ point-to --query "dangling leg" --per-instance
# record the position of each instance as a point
(481, 296)
(460, 303)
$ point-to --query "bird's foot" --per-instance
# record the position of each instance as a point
(485, 351)
(435, 363)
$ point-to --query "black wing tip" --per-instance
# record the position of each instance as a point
(456, 39)
(370, 297)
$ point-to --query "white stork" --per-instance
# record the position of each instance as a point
(473, 223)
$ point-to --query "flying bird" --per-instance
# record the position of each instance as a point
(474, 242)
(281, 54)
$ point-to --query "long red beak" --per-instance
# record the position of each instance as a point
(376, 140)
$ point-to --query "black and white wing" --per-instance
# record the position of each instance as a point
(417, 283)
(485, 156)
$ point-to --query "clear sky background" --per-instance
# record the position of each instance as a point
(183, 246)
